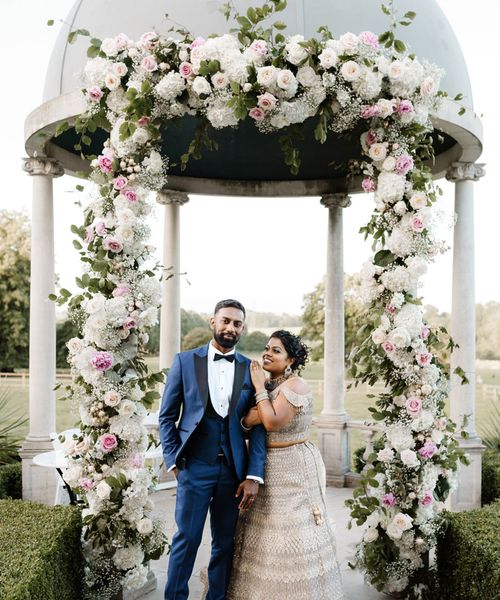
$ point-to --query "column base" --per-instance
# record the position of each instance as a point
(467, 495)
(150, 585)
(39, 483)
(333, 442)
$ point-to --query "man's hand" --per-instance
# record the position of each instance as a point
(249, 488)
(252, 418)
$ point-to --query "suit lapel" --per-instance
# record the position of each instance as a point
(201, 370)
(240, 368)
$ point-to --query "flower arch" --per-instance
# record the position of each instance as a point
(132, 89)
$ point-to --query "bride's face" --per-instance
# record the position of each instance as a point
(275, 358)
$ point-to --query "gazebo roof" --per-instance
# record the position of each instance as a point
(430, 37)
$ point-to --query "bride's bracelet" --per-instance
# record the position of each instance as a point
(261, 396)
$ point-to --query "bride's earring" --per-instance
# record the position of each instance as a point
(288, 371)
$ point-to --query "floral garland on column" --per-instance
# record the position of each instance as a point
(133, 89)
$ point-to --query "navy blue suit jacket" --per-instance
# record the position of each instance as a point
(187, 389)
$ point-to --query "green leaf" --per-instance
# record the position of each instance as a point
(385, 9)
(458, 97)
(462, 111)
(383, 258)
(383, 37)
(52, 297)
(61, 128)
(279, 25)
(77, 245)
(252, 15)
(244, 22)
(399, 46)
(65, 293)
(50, 22)
(410, 15)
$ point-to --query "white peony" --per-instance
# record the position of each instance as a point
(386, 107)
(127, 408)
(201, 87)
(402, 521)
(394, 532)
(95, 304)
(377, 151)
(295, 53)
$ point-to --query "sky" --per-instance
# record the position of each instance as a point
(273, 250)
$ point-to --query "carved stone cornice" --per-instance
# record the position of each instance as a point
(338, 200)
(464, 171)
(49, 167)
(172, 197)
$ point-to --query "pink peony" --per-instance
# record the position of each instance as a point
(95, 94)
(388, 346)
(112, 244)
(368, 184)
(102, 361)
(108, 442)
(424, 334)
(105, 164)
(89, 234)
(405, 106)
(257, 113)
(186, 69)
(413, 406)
(404, 164)
(389, 499)
(369, 111)
(428, 450)
(427, 499)
(143, 122)
(100, 228)
(199, 41)
(121, 289)
(369, 39)
(130, 194)
(119, 182)
(423, 358)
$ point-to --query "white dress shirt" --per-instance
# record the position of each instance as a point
(220, 380)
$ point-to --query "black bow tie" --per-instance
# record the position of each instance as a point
(229, 357)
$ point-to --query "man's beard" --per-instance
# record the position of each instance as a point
(226, 342)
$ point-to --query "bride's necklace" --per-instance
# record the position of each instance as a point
(273, 383)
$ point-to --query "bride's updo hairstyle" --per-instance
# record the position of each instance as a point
(295, 348)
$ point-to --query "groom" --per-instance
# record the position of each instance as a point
(207, 452)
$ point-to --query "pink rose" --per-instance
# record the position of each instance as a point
(112, 244)
(428, 450)
(149, 40)
(389, 499)
(423, 358)
(390, 308)
(105, 164)
(108, 442)
(130, 195)
(405, 106)
(119, 182)
(266, 101)
(371, 137)
(149, 64)
(404, 164)
(100, 228)
(388, 346)
(259, 47)
(102, 361)
(424, 334)
(95, 94)
(129, 323)
(143, 122)
(369, 111)
(121, 289)
(122, 41)
(186, 69)
(413, 405)
(199, 41)
(87, 484)
(427, 499)
(368, 184)
(257, 113)
(89, 234)
(369, 39)
(417, 223)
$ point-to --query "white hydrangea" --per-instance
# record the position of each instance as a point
(396, 280)
(390, 187)
(220, 115)
(128, 557)
(410, 318)
(424, 421)
(135, 578)
(400, 437)
(170, 86)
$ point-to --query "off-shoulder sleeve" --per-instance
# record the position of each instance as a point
(295, 399)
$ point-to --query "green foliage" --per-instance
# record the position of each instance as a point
(10, 422)
(14, 289)
(358, 460)
(490, 476)
(64, 332)
(11, 485)
(40, 551)
(469, 555)
(490, 432)
(250, 24)
(196, 337)
(388, 38)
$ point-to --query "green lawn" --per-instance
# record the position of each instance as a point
(356, 401)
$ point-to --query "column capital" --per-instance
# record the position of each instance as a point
(338, 200)
(465, 171)
(42, 165)
(172, 197)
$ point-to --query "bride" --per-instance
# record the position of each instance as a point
(284, 545)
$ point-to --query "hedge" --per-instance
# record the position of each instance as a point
(11, 481)
(469, 555)
(40, 551)
(490, 476)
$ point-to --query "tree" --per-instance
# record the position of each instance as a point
(252, 342)
(14, 289)
(64, 332)
(313, 317)
(196, 337)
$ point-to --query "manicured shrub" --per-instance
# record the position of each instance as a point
(40, 551)
(469, 555)
(490, 476)
(11, 481)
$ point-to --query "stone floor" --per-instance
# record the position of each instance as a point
(354, 587)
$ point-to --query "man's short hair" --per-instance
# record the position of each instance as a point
(229, 303)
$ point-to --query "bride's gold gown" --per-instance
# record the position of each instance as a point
(284, 545)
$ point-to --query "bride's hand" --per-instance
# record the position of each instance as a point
(258, 376)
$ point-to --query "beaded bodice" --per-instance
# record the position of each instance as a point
(298, 427)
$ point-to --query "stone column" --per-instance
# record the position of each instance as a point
(39, 483)
(170, 326)
(333, 435)
(463, 331)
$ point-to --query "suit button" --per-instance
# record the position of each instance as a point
(197, 423)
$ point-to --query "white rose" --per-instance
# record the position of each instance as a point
(307, 77)
(428, 87)
(127, 408)
(266, 76)
(328, 58)
(286, 79)
(103, 490)
(112, 398)
(349, 42)
(296, 53)
(386, 107)
(220, 80)
(400, 207)
(377, 151)
(400, 337)
(201, 86)
(74, 345)
(111, 81)
(95, 304)
(370, 535)
(424, 421)
(396, 70)
(426, 389)
(350, 70)
(389, 163)
(437, 436)
(418, 200)
(394, 532)
(119, 69)
(399, 400)
(402, 521)
(385, 455)
(144, 526)
(109, 46)
(73, 474)
(409, 458)
(378, 336)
